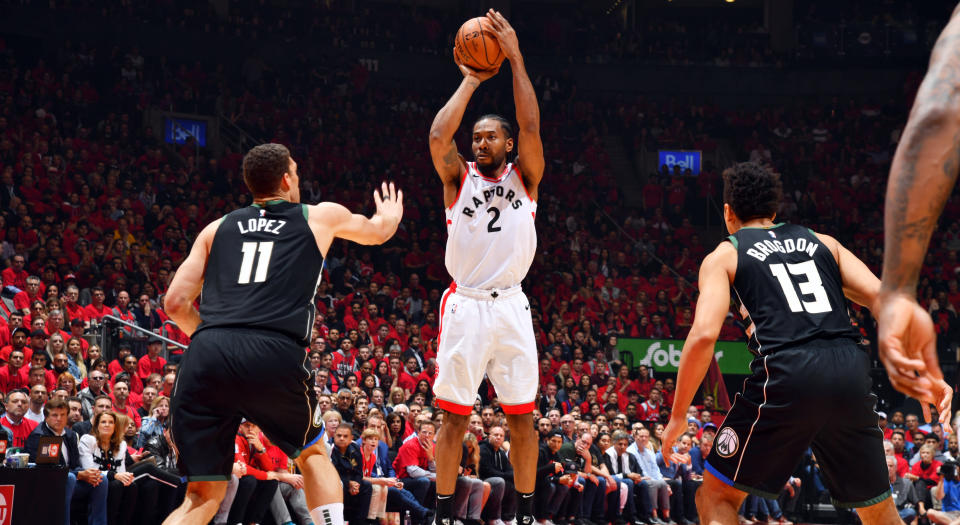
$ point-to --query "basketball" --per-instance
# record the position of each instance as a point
(476, 46)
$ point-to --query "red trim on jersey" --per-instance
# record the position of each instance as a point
(506, 171)
(524, 408)
(443, 305)
(524, 185)
(463, 181)
(461, 410)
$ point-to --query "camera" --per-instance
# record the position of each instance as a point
(949, 470)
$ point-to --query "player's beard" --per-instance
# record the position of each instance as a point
(493, 165)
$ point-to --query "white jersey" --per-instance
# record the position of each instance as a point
(491, 236)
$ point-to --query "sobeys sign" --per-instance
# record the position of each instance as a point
(664, 354)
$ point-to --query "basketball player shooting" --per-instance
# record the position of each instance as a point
(922, 176)
(258, 268)
(810, 382)
(485, 322)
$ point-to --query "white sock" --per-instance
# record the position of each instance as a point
(329, 514)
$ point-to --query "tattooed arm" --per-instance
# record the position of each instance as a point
(446, 159)
(921, 178)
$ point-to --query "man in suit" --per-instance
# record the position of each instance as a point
(82, 484)
(625, 468)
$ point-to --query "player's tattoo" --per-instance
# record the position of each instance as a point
(450, 158)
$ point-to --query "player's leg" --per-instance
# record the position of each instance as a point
(200, 504)
(203, 426)
(509, 370)
(718, 502)
(321, 485)
(883, 513)
(465, 326)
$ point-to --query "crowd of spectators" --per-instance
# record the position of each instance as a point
(96, 214)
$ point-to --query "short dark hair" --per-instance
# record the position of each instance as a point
(54, 404)
(752, 190)
(264, 166)
(504, 123)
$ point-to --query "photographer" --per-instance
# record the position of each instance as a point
(948, 492)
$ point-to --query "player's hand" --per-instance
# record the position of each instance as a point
(907, 346)
(354, 488)
(469, 72)
(676, 427)
(389, 203)
(506, 36)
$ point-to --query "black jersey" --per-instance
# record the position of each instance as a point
(263, 271)
(789, 288)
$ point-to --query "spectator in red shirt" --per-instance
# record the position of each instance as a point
(16, 406)
(96, 309)
(14, 375)
(257, 480)
(121, 394)
(408, 377)
(151, 363)
(15, 275)
(130, 364)
(18, 341)
(14, 321)
(415, 463)
(25, 298)
(70, 304)
(116, 366)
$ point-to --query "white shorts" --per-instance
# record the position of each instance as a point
(486, 332)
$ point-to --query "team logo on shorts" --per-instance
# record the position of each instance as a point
(317, 417)
(727, 443)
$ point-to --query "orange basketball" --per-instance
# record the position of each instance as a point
(476, 45)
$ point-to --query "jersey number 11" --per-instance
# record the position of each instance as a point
(263, 262)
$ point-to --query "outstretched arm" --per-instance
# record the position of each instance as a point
(922, 175)
(329, 220)
(529, 145)
(712, 308)
(446, 159)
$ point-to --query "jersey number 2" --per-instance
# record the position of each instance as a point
(496, 216)
(813, 285)
(263, 262)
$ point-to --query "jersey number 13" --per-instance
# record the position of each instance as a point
(812, 285)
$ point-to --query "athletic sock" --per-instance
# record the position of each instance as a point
(329, 514)
(444, 509)
(524, 508)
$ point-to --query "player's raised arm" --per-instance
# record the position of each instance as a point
(922, 175)
(188, 281)
(712, 307)
(446, 159)
(334, 220)
(529, 145)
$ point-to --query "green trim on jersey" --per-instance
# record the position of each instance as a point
(269, 203)
(733, 240)
(763, 228)
(306, 212)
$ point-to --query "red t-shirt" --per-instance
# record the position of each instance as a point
(93, 312)
(145, 366)
(27, 353)
(256, 463)
(10, 380)
(930, 472)
(21, 431)
(411, 453)
(12, 277)
(75, 311)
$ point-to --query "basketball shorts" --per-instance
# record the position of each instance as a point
(232, 373)
(815, 395)
(486, 332)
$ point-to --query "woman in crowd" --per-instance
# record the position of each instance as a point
(471, 493)
(67, 382)
(395, 434)
(156, 421)
(105, 449)
(74, 351)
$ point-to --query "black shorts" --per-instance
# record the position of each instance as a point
(231, 373)
(812, 395)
